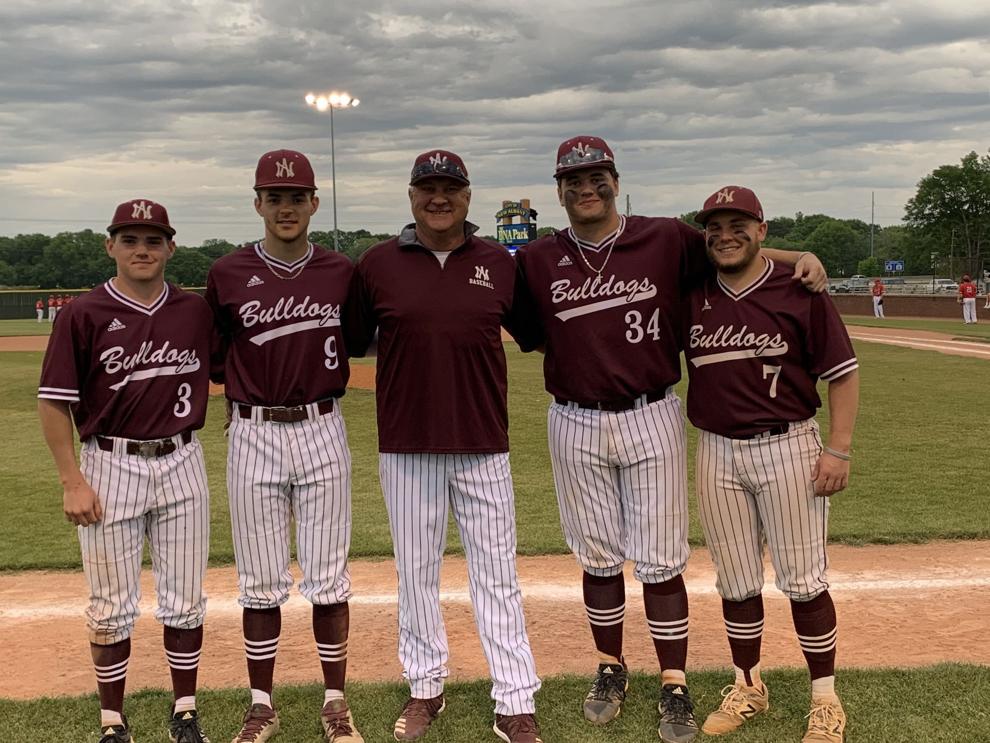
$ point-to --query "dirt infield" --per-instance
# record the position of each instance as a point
(907, 605)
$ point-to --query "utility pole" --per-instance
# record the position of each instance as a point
(872, 208)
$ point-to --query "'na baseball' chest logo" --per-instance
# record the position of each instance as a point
(283, 169)
(141, 210)
(724, 196)
(481, 278)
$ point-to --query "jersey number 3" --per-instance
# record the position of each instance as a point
(183, 407)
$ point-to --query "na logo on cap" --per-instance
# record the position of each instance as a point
(283, 169)
(724, 196)
(141, 210)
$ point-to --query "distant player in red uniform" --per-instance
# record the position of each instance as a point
(129, 363)
(39, 308)
(606, 294)
(278, 307)
(878, 290)
(59, 304)
(967, 298)
(756, 344)
(51, 308)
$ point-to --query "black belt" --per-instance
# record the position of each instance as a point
(774, 431)
(283, 414)
(154, 448)
(615, 406)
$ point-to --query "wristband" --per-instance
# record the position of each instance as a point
(838, 454)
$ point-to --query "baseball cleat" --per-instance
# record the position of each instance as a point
(184, 727)
(338, 724)
(260, 724)
(826, 722)
(739, 704)
(517, 728)
(677, 723)
(608, 691)
(116, 733)
(417, 716)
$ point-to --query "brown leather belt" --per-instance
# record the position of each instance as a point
(774, 431)
(615, 406)
(283, 414)
(153, 448)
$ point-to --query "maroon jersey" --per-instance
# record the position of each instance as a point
(616, 336)
(754, 356)
(128, 370)
(283, 338)
(441, 384)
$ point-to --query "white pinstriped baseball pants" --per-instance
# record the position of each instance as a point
(282, 471)
(755, 489)
(419, 490)
(621, 482)
(164, 499)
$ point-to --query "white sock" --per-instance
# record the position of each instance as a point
(823, 688)
(754, 675)
(185, 704)
(110, 717)
(261, 697)
(330, 695)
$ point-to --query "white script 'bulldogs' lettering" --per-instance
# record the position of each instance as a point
(287, 308)
(596, 288)
(728, 337)
(114, 360)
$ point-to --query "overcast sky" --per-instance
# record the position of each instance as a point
(814, 105)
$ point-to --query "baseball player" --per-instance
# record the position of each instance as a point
(438, 295)
(39, 308)
(51, 308)
(59, 304)
(967, 298)
(278, 307)
(878, 290)
(756, 345)
(606, 295)
(129, 363)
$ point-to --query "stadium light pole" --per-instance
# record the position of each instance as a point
(324, 102)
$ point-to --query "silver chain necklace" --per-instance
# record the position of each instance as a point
(295, 273)
(611, 244)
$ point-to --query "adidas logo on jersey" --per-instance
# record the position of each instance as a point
(115, 325)
(565, 261)
(254, 281)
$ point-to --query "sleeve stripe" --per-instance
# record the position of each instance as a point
(841, 370)
(65, 390)
(53, 396)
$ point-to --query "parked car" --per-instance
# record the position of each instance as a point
(854, 284)
(945, 285)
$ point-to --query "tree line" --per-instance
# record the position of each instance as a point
(946, 231)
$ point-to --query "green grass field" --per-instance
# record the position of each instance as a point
(25, 327)
(912, 405)
(943, 704)
(980, 331)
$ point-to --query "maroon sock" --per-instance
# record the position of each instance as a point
(744, 626)
(262, 628)
(815, 624)
(182, 650)
(330, 627)
(667, 616)
(605, 604)
(110, 663)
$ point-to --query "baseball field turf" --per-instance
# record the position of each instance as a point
(918, 474)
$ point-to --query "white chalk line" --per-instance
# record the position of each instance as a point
(227, 606)
(979, 349)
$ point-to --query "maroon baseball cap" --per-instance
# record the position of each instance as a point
(141, 212)
(284, 169)
(439, 164)
(583, 152)
(734, 198)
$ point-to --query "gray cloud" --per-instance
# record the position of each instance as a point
(815, 104)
